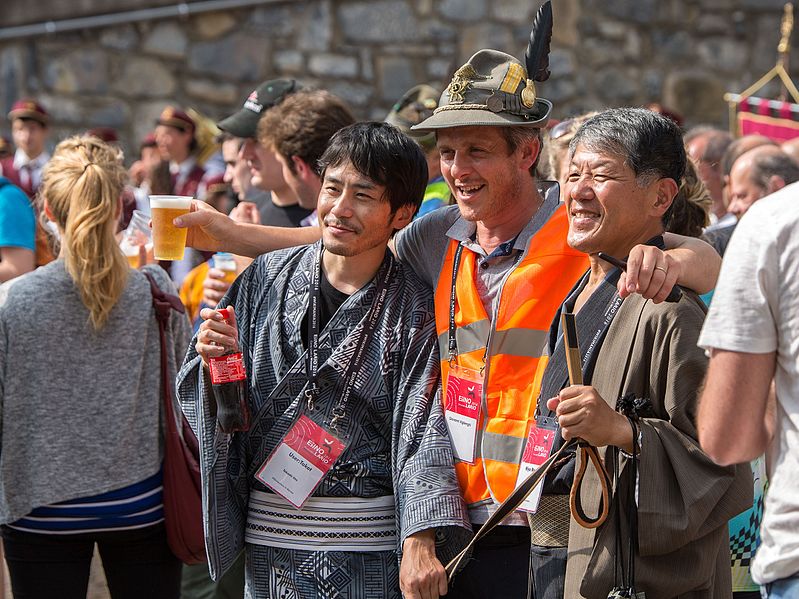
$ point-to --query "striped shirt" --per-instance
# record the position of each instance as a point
(135, 506)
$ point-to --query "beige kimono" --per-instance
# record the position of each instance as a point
(684, 499)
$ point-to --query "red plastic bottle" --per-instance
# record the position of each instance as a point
(229, 382)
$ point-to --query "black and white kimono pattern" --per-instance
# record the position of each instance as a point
(398, 439)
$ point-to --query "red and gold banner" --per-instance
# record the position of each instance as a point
(774, 119)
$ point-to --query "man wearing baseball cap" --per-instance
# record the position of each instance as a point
(240, 145)
(254, 173)
(29, 129)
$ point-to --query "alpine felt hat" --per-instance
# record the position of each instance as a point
(491, 89)
(416, 105)
(244, 123)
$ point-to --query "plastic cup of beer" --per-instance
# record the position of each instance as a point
(227, 264)
(136, 235)
(169, 242)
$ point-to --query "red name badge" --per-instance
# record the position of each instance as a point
(539, 444)
(462, 410)
(299, 463)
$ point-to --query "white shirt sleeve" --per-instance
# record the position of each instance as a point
(742, 315)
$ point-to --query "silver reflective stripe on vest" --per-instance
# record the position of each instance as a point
(529, 343)
(470, 337)
(502, 448)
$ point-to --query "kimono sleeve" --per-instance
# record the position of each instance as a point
(222, 470)
(684, 495)
(425, 484)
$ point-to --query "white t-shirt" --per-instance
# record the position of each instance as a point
(755, 309)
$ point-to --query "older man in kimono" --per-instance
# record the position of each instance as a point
(642, 373)
(338, 339)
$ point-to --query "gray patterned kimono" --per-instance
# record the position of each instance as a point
(398, 441)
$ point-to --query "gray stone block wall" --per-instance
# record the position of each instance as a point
(682, 53)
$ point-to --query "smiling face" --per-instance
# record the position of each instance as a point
(608, 210)
(354, 213)
(485, 177)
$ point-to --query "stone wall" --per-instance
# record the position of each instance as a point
(684, 53)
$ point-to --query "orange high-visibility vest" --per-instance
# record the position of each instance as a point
(528, 301)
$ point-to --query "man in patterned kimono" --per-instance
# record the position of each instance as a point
(341, 337)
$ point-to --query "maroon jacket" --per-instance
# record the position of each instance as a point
(12, 174)
(190, 184)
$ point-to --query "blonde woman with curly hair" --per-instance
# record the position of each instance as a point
(81, 445)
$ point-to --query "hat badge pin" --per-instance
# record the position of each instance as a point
(528, 94)
(252, 102)
(462, 81)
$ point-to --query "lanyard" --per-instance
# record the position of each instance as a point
(356, 361)
(593, 321)
(453, 342)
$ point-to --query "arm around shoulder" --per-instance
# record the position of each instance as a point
(213, 231)
(699, 262)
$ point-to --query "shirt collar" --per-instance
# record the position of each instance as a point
(22, 159)
(184, 168)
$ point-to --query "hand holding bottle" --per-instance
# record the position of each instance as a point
(218, 333)
(219, 338)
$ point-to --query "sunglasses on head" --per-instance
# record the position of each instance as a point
(561, 129)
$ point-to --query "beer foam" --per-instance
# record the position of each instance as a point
(173, 202)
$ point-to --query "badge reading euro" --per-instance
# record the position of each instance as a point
(301, 460)
(462, 410)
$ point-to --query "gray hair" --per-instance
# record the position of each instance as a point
(718, 141)
(650, 144)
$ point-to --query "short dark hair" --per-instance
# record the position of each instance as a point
(650, 144)
(773, 164)
(302, 125)
(383, 154)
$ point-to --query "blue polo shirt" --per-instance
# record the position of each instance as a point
(17, 221)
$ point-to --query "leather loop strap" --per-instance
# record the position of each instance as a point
(589, 453)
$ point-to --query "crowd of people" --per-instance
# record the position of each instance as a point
(405, 302)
